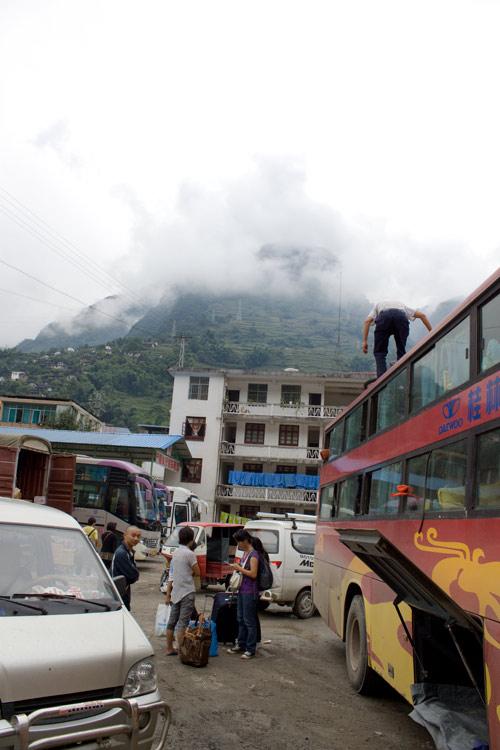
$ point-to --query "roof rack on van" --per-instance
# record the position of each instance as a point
(302, 517)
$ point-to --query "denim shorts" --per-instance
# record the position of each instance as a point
(180, 612)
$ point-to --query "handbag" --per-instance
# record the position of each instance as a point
(235, 581)
(195, 646)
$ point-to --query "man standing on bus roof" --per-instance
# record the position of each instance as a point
(123, 563)
(391, 318)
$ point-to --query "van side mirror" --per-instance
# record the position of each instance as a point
(121, 584)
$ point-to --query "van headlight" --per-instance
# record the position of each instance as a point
(140, 679)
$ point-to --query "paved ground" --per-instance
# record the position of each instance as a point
(293, 696)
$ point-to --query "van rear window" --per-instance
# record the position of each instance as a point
(303, 543)
(270, 539)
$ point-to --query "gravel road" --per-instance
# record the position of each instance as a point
(293, 696)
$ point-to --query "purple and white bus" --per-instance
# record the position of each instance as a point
(119, 491)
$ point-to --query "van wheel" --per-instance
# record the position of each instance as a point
(360, 674)
(303, 607)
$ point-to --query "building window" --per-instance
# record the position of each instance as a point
(285, 469)
(311, 471)
(255, 433)
(289, 434)
(282, 510)
(194, 428)
(257, 393)
(233, 396)
(249, 511)
(254, 468)
(191, 471)
(198, 388)
(290, 395)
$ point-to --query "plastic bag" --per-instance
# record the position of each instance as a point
(162, 615)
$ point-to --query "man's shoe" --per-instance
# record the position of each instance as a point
(235, 650)
(248, 655)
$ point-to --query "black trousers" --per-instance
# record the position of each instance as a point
(389, 323)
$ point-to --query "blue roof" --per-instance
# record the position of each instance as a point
(116, 439)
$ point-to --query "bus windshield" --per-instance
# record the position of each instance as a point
(145, 506)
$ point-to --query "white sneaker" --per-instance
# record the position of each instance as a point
(234, 650)
(248, 655)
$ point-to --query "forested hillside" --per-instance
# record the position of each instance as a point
(126, 381)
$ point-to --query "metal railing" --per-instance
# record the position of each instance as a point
(282, 410)
(288, 452)
(266, 494)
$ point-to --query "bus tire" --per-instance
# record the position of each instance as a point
(303, 607)
(360, 674)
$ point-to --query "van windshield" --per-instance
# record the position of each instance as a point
(44, 561)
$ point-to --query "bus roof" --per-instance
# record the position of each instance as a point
(114, 463)
(492, 279)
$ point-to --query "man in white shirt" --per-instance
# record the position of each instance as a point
(391, 318)
(181, 588)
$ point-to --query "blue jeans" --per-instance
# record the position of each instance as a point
(247, 621)
(389, 323)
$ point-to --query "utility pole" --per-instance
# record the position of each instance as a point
(340, 308)
(182, 349)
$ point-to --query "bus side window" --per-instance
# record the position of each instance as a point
(444, 367)
(336, 439)
(488, 470)
(355, 426)
(383, 486)
(416, 469)
(446, 478)
(391, 402)
(326, 502)
(489, 341)
(119, 502)
(349, 503)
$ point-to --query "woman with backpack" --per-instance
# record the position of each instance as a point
(253, 561)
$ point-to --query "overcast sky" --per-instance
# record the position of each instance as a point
(168, 142)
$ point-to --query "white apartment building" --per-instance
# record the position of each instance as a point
(255, 437)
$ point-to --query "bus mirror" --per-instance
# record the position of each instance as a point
(121, 584)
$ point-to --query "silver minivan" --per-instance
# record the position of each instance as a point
(75, 667)
(288, 539)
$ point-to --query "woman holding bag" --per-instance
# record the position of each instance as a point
(248, 597)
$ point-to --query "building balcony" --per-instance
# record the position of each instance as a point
(281, 411)
(271, 452)
(272, 495)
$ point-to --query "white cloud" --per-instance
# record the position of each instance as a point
(202, 132)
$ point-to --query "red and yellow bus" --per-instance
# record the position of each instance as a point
(407, 558)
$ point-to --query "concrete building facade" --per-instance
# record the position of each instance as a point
(255, 437)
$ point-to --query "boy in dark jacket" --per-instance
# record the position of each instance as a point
(123, 563)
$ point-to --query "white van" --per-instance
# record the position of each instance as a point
(289, 541)
(76, 668)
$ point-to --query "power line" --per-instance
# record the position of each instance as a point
(41, 301)
(43, 226)
(48, 229)
(70, 296)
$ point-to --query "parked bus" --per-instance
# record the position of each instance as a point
(184, 507)
(112, 490)
(407, 556)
